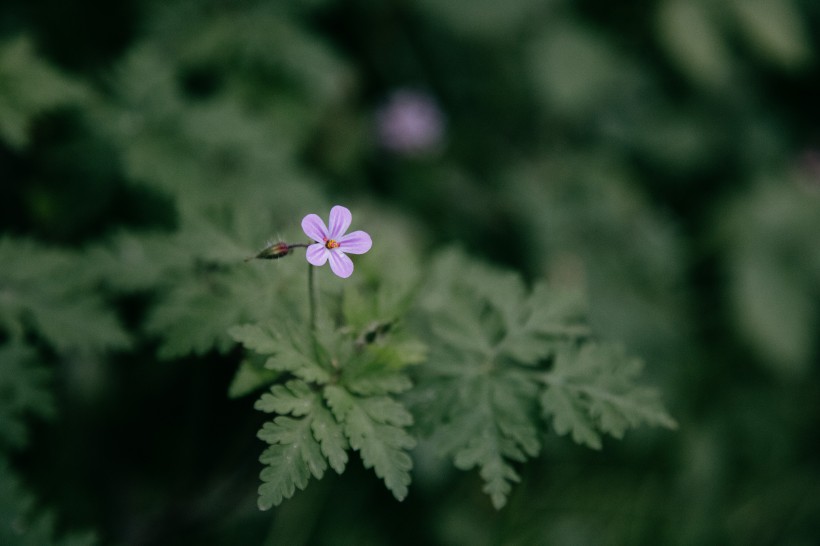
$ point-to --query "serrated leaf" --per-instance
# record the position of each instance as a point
(294, 398)
(196, 312)
(490, 340)
(65, 309)
(206, 287)
(487, 312)
(381, 443)
(290, 351)
(250, 376)
(292, 458)
(593, 389)
(290, 359)
(569, 416)
(330, 436)
(78, 323)
(556, 312)
(377, 369)
(255, 337)
(495, 470)
(488, 424)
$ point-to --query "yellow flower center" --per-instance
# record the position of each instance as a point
(331, 244)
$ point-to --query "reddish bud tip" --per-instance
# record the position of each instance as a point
(274, 251)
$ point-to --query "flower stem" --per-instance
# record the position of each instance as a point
(311, 302)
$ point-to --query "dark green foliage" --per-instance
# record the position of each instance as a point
(24, 392)
(498, 351)
(773, 263)
(31, 87)
(21, 525)
(630, 182)
(341, 397)
(39, 296)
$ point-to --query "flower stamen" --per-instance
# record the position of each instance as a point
(331, 244)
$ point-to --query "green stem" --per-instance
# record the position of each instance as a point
(311, 302)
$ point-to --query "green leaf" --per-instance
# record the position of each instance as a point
(250, 376)
(256, 338)
(375, 428)
(50, 292)
(292, 458)
(290, 351)
(593, 389)
(330, 436)
(378, 368)
(200, 282)
(487, 422)
(773, 268)
(486, 452)
(30, 87)
(195, 314)
(569, 415)
(491, 341)
(301, 447)
(24, 391)
(354, 374)
(573, 67)
(776, 28)
(692, 36)
(293, 398)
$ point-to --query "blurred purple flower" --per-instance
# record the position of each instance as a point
(410, 123)
(332, 243)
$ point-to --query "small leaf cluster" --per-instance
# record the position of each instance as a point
(500, 366)
(43, 310)
(505, 361)
(44, 315)
(336, 392)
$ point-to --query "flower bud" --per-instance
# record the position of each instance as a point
(274, 251)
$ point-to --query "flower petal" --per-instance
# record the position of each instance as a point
(340, 218)
(357, 242)
(340, 264)
(317, 254)
(314, 227)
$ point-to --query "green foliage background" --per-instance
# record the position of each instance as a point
(661, 157)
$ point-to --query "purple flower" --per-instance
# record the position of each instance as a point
(331, 244)
(410, 123)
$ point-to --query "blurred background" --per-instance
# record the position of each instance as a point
(662, 154)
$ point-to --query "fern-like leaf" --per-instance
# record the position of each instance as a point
(65, 310)
(593, 389)
(338, 397)
(492, 340)
(294, 455)
(488, 423)
(375, 428)
(287, 350)
(330, 436)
